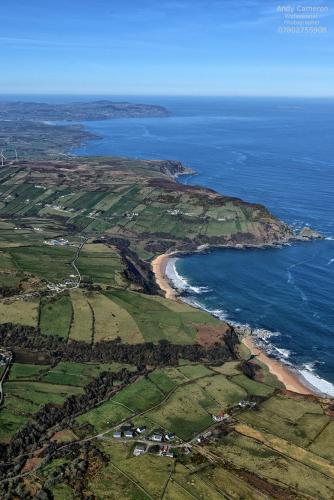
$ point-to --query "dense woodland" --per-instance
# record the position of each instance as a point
(18, 337)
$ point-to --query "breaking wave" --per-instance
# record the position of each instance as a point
(261, 337)
(180, 282)
(321, 385)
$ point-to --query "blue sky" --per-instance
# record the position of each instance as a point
(177, 47)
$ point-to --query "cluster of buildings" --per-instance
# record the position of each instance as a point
(247, 404)
(128, 432)
(4, 357)
(174, 211)
(225, 417)
(156, 442)
(131, 215)
(221, 416)
(59, 242)
(59, 208)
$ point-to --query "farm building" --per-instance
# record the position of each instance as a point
(140, 449)
(220, 416)
(170, 436)
(157, 437)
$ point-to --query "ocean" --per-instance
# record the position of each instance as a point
(278, 152)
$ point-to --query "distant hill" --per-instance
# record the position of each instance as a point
(96, 110)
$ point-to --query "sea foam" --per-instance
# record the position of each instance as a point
(321, 385)
(261, 337)
(180, 282)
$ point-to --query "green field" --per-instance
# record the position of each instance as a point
(323, 444)
(194, 371)
(24, 398)
(162, 380)
(30, 386)
(79, 374)
(297, 421)
(24, 312)
(51, 263)
(267, 463)
(157, 321)
(252, 386)
(82, 323)
(104, 416)
(56, 315)
(101, 264)
(222, 391)
(112, 321)
(139, 396)
(21, 371)
(185, 411)
(112, 484)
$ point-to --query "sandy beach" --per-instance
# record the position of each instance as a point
(290, 379)
(159, 268)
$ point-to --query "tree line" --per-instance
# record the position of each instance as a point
(17, 337)
(51, 417)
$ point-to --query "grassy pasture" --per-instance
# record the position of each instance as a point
(251, 386)
(51, 263)
(82, 324)
(24, 398)
(111, 484)
(323, 444)
(222, 391)
(56, 316)
(6, 261)
(104, 416)
(111, 320)
(161, 379)
(23, 312)
(194, 371)
(297, 421)
(100, 263)
(185, 411)
(229, 484)
(79, 374)
(10, 279)
(191, 485)
(19, 371)
(139, 396)
(10, 423)
(148, 471)
(62, 492)
(156, 321)
(265, 462)
(41, 392)
(229, 368)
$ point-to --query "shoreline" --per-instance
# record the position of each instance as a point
(291, 380)
(159, 265)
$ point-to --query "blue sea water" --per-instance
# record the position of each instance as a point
(279, 152)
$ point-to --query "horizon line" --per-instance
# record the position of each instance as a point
(130, 94)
